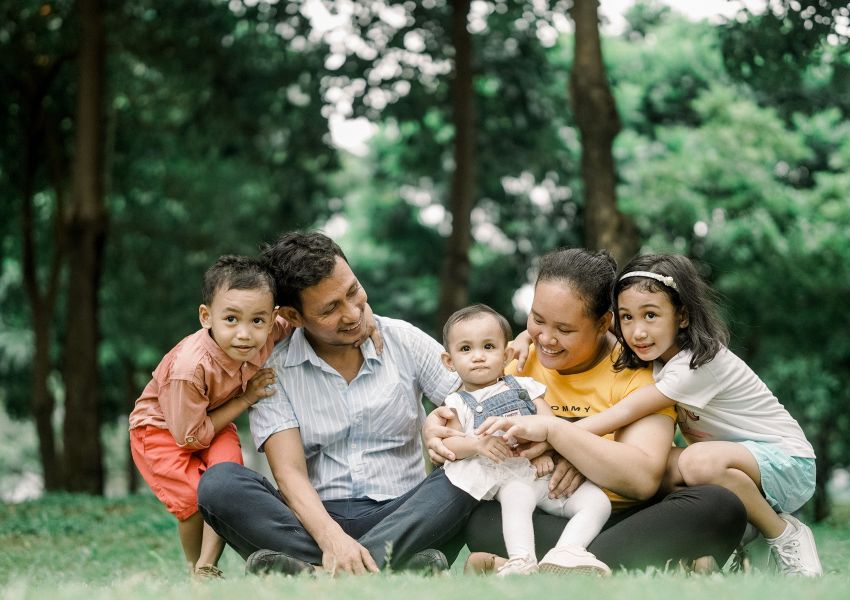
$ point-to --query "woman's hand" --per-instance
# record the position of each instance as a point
(519, 350)
(565, 479)
(371, 331)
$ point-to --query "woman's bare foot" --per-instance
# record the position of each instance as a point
(482, 563)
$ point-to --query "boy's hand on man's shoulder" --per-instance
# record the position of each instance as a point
(259, 386)
(371, 331)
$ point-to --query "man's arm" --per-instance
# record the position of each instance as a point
(340, 552)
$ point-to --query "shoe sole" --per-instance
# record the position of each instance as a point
(553, 569)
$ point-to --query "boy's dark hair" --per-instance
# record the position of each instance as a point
(298, 261)
(471, 312)
(706, 332)
(232, 272)
(591, 275)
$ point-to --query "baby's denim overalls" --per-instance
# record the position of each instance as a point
(514, 401)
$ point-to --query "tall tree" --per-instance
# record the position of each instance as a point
(86, 228)
(454, 272)
(36, 71)
(597, 119)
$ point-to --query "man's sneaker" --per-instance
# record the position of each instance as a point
(565, 560)
(795, 551)
(263, 562)
(208, 572)
(427, 562)
(518, 565)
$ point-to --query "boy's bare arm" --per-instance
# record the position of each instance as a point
(258, 387)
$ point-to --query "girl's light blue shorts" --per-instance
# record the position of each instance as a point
(787, 481)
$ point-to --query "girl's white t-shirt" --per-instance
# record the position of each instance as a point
(724, 400)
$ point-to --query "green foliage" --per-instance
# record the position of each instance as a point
(760, 202)
(795, 55)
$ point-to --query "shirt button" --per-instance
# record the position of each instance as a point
(354, 446)
(479, 409)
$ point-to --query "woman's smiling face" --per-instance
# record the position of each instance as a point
(566, 337)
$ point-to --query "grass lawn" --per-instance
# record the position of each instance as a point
(67, 546)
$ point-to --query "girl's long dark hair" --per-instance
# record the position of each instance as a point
(705, 333)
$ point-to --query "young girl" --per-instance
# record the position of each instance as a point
(740, 436)
(476, 341)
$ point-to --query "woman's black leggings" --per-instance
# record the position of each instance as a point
(705, 520)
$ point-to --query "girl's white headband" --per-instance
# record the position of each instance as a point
(665, 279)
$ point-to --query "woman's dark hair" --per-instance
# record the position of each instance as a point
(232, 272)
(471, 312)
(705, 333)
(298, 261)
(590, 274)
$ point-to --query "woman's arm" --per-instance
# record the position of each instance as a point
(640, 403)
(632, 465)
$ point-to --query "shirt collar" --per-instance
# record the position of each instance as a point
(300, 351)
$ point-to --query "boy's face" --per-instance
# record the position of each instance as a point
(239, 320)
(477, 350)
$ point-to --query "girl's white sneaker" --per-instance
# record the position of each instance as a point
(567, 560)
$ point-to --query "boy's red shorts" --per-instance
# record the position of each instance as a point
(172, 472)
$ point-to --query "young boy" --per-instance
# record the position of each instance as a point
(183, 422)
(476, 340)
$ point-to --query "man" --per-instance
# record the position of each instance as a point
(342, 436)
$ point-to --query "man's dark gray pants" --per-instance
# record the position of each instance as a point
(247, 511)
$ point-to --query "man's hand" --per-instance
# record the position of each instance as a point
(519, 350)
(343, 554)
(565, 479)
(435, 431)
(258, 386)
(494, 448)
(371, 331)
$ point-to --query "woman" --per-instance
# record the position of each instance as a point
(573, 353)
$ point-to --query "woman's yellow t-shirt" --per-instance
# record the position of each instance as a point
(583, 394)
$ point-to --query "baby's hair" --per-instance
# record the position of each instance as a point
(232, 272)
(590, 274)
(300, 260)
(705, 333)
(470, 312)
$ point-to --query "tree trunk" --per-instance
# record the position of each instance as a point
(597, 119)
(41, 304)
(87, 230)
(454, 273)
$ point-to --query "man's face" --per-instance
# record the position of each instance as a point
(332, 310)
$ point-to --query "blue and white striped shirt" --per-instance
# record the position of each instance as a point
(360, 439)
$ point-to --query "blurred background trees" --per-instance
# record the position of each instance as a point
(223, 124)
